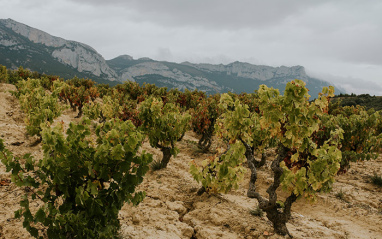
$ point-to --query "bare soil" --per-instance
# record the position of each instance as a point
(172, 209)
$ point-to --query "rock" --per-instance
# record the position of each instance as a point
(177, 78)
(75, 54)
(187, 231)
(177, 206)
(136, 219)
(234, 77)
(257, 72)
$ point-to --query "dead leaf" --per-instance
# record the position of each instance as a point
(266, 233)
(5, 182)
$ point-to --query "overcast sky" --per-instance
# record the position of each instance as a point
(337, 40)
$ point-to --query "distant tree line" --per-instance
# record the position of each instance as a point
(365, 100)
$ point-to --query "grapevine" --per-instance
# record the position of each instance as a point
(301, 167)
(204, 117)
(3, 74)
(80, 185)
(79, 92)
(40, 107)
(164, 125)
(361, 139)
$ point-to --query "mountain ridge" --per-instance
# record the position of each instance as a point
(22, 45)
(76, 55)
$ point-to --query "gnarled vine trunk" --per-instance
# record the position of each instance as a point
(79, 111)
(249, 154)
(166, 156)
(205, 142)
(278, 216)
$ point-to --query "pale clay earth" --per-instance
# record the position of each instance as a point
(172, 209)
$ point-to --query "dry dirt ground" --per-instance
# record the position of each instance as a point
(172, 209)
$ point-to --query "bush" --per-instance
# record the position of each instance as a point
(3, 74)
(40, 107)
(376, 180)
(164, 125)
(302, 166)
(80, 184)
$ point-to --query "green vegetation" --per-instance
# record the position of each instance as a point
(78, 92)
(80, 187)
(341, 196)
(257, 212)
(164, 125)
(361, 138)
(156, 165)
(376, 180)
(203, 118)
(3, 74)
(40, 107)
(369, 102)
(220, 174)
(87, 175)
(302, 167)
(109, 109)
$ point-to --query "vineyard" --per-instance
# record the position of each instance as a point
(81, 160)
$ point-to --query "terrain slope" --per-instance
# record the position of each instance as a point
(173, 210)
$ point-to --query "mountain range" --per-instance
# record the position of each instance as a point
(21, 45)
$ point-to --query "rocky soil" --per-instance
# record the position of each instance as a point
(172, 209)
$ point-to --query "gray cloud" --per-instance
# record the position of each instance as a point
(211, 13)
(165, 54)
(341, 37)
(354, 85)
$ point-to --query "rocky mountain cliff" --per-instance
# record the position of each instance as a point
(21, 45)
(246, 70)
(164, 74)
(235, 77)
(18, 39)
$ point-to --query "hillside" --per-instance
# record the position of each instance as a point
(236, 77)
(173, 210)
(22, 45)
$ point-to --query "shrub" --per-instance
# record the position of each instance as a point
(164, 125)
(80, 184)
(376, 180)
